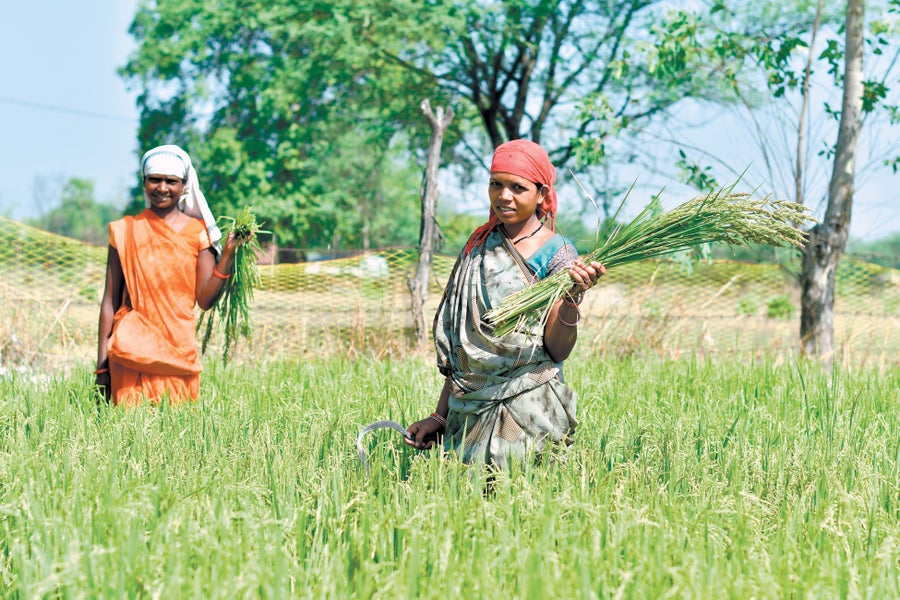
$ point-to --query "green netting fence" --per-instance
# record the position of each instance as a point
(51, 288)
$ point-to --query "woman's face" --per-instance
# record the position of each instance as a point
(514, 199)
(163, 191)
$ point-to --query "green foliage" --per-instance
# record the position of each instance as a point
(298, 108)
(759, 50)
(884, 252)
(310, 111)
(695, 175)
(290, 107)
(780, 307)
(79, 215)
(456, 228)
(747, 307)
(752, 42)
(572, 225)
(686, 472)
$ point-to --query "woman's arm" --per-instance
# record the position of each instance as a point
(561, 330)
(113, 292)
(211, 276)
(422, 432)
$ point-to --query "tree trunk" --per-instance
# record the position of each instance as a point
(428, 233)
(828, 239)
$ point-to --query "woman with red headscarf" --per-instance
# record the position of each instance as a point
(504, 398)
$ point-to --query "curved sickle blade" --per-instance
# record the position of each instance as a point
(372, 427)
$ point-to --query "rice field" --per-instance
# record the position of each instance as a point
(688, 478)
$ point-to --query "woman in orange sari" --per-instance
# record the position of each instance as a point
(160, 263)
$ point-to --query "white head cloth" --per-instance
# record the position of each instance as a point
(172, 160)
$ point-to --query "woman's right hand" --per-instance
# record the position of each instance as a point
(424, 434)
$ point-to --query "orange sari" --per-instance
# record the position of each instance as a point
(153, 347)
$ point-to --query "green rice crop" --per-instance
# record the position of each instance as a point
(740, 479)
(722, 216)
(232, 310)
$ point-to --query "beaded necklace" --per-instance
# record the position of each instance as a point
(525, 237)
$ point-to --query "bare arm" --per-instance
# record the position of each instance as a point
(209, 286)
(419, 430)
(113, 292)
(561, 330)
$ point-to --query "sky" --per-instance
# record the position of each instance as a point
(64, 112)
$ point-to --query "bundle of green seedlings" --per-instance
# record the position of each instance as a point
(724, 216)
(233, 308)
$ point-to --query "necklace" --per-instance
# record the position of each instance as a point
(525, 237)
(172, 222)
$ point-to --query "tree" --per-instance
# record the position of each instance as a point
(828, 239)
(428, 237)
(46, 191)
(799, 135)
(569, 74)
(78, 214)
(302, 109)
(284, 106)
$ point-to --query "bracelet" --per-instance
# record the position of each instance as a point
(101, 371)
(573, 300)
(220, 275)
(566, 323)
(441, 420)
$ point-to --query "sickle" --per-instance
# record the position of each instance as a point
(372, 427)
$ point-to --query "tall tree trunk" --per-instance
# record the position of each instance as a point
(428, 233)
(828, 239)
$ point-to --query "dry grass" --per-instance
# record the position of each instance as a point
(648, 308)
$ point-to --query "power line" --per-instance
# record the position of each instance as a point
(65, 110)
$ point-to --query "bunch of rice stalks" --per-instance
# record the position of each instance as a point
(722, 216)
(233, 308)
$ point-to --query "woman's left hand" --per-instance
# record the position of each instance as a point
(585, 276)
(234, 241)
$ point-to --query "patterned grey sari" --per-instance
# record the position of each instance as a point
(507, 397)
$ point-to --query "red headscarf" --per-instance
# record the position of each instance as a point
(525, 159)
